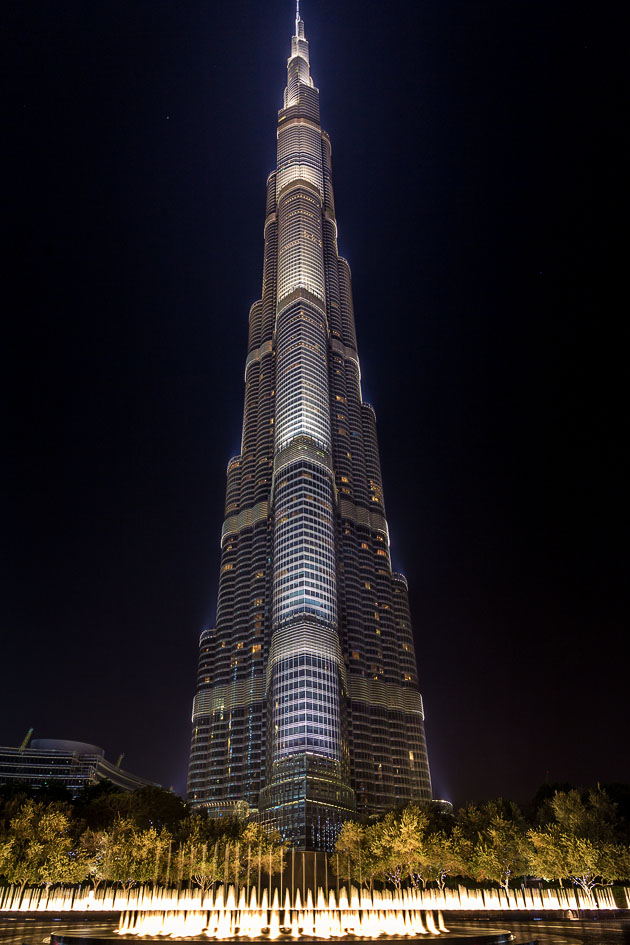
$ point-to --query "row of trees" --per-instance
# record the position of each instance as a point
(106, 836)
(571, 837)
(112, 837)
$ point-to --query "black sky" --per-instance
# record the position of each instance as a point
(476, 147)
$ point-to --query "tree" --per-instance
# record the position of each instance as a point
(201, 854)
(497, 832)
(263, 846)
(357, 853)
(101, 805)
(38, 847)
(203, 862)
(545, 854)
(558, 855)
(13, 796)
(205, 856)
(133, 855)
(579, 842)
(101, 810)
(619, 794)
(155, 807)
(409, 844)
(93, 846)
(593, 818)
(398, 846)
(447, 854)
(500, 854)
(344, 862)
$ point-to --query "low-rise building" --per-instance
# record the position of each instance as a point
(48, 761)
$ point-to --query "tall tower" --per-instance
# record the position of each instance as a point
(307, 704)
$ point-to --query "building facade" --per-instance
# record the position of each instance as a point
(307, 704)
(75, 765)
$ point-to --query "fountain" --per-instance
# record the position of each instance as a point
(262, 898)
(320, 916)
(293, 909)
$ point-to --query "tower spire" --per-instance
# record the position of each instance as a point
(297, 15)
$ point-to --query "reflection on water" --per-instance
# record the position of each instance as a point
(613, 929)
(553, 930)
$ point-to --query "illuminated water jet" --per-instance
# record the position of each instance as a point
(145, 899)
(403, 913)
(230, 912)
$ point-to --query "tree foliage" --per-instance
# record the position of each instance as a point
(499, 851)
(133, 855)
(151, 837)
(357, 856)
(578, 840)
(37, 847)
(568, 835)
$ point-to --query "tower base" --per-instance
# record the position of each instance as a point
(307, 802)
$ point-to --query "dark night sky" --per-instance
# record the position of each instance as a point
(476, 150)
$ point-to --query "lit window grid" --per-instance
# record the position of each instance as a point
(299, 156)
(301, 405)
(302, 416)
(304, 545)
(300, 245)
(298, 72)
(305, 707)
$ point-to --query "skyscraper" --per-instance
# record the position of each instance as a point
(307, 704)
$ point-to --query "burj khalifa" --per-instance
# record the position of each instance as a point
(307, 709)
